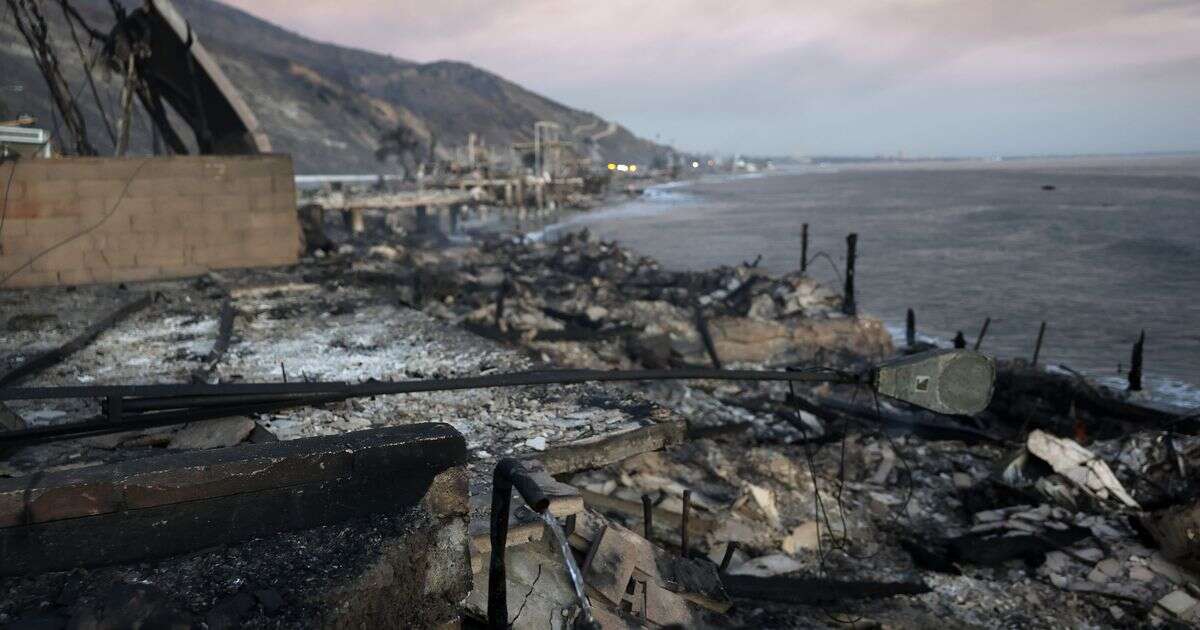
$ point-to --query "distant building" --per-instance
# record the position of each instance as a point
(26, 142)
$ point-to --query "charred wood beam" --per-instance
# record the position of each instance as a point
(57, 355)
(162, 506)
(1023, 393)
(811, 591)
(929, 425)
(982, 332)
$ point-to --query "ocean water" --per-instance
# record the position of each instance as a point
(1113, 249)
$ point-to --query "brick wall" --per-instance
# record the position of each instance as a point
(132, 219)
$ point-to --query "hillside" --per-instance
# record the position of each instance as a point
(326, 105)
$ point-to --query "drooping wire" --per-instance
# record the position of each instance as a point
(821, 513)
(103, 219)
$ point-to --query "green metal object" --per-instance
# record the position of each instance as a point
(955, 382)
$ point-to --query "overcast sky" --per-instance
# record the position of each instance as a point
(926, 77)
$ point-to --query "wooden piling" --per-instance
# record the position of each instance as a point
(960, 341)
(804, 249)
(910, 328)
(1135, 365)
(982, 332)
(1037, 348)
(848, 305)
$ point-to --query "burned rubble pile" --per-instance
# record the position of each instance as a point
(1064, 503)
(697, 503)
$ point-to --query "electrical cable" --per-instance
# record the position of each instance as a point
(188, 409)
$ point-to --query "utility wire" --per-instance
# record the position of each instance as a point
(248, 399)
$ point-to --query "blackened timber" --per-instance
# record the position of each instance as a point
(849, 306)
(982, 332)
(53, 357)
(910, 328)
(804, 249)
(169, 505)
(706, 337)
(792, 590)
(1037, 347)
(926, 424)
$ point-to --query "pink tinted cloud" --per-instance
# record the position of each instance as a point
(626, 58)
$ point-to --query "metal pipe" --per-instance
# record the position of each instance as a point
(509, 474)
(161, 403)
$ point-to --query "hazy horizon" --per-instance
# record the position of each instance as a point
(925, 77)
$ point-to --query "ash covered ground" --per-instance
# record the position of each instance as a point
(834, 497)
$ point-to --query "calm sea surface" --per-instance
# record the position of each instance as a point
(1113, 249)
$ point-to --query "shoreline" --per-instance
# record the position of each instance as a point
(1163, 387)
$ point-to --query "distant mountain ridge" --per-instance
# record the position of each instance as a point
(327, 105)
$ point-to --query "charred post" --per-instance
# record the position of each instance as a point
(1135, 364)
(804, 249)
(1037, 347)
(849, 307)
(982, 332)
(706, 336)
(910, 329)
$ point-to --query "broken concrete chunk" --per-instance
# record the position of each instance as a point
(805, 537)
(212, 433)
(758, 503)
(767, 566)
(1141, 574)
(1105, 570)
(1179, 603)
(1081, 466)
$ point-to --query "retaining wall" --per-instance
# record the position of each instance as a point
(130, 219)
